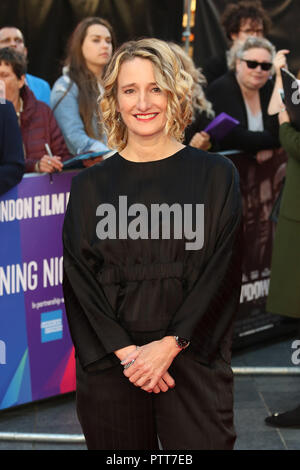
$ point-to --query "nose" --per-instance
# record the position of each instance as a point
(143, 101)
(257, 68)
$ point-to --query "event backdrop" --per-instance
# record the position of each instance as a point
(260, 186)
(36, 352)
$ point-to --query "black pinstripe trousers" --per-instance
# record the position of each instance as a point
(196, 414)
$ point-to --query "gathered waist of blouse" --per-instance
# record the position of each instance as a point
(140, 272)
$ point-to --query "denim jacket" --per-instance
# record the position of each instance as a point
(69, 119)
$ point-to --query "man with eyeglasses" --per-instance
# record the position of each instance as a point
(239, 20)
(13, 37)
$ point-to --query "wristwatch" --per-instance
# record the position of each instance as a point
(181, 343)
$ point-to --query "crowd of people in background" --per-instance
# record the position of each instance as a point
(240, 83)
(73, 125)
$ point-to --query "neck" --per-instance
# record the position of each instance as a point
(16, 102)
(145, 149)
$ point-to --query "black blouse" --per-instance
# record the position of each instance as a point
(126, 290)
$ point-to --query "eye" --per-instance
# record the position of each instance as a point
(156, 90)
(129, 91)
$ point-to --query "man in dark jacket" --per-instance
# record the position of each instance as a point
(11, 150)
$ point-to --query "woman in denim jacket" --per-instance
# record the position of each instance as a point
(75, 95)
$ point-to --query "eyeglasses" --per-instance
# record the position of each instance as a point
(252, 32)
(253, 64)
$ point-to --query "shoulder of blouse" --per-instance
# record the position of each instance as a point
(209, 159)
(96, 171)
(63, 84)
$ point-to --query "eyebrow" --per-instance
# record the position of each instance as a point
(99, 36)
(133, 84)
(7, 38)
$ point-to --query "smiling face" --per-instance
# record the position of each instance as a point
(142, 104)
(97, 47)
(256, 78)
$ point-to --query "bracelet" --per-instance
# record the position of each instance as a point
(37, 167)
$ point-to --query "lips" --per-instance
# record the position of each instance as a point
(145, 117)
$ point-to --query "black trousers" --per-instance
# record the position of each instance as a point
(196, 414)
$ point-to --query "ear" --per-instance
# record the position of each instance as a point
(233, 36)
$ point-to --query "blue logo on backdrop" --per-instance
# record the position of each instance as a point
(51, 326)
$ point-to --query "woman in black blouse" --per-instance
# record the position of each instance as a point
(152, 278)
(244, 93)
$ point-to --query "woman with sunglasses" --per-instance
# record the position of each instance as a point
(244, 93)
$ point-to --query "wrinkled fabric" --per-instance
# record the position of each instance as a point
(39, 127)
(123, 291)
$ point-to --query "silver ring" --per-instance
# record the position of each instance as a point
(129, 364)
(49, 162)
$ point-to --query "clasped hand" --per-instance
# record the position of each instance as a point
(149, 371)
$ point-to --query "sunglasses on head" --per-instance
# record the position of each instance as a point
(252, 64)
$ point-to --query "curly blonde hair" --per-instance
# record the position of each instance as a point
(200, 102)
(170, 77)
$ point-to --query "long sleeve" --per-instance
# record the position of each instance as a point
(290, 140)
(58, 145)
(49, 133)
(68, 117)
(249, 141)
(221, 269)
(94, 326)
(11, 152)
